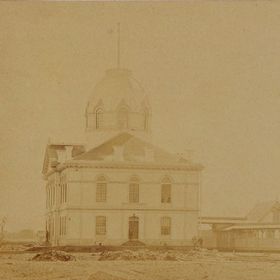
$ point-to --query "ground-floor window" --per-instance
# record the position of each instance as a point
(62, 225)
(165, 226)
(100, 227)
(51, 226)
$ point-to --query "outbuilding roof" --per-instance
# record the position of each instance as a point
(261, 210)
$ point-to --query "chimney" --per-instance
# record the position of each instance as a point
(68, 152)
(149, 154)
(61, 155)
(118, 153)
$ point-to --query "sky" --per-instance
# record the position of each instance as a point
(210, 68)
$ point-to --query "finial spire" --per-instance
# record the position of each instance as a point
(119, 45)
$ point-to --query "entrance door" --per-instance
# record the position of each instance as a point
(133, 228)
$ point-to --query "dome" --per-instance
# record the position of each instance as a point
(118, 88)
(118, 104)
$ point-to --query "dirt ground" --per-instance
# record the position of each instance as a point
(226, 266)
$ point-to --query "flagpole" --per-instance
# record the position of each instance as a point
(118, 46)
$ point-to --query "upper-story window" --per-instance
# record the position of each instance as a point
(123, 118)
(166, 190)
(48, 196)
(134, 190)
(63, 189)
(99, 118)
(165, 225)
(101, 189)
(51, 193)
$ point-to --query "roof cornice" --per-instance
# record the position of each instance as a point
(125, 165)
(132, 165)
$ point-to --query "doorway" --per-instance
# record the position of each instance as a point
(133, 229)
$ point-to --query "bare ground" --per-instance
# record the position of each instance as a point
(225, 267)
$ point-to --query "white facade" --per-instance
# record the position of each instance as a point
(120, 187)
(81, 207)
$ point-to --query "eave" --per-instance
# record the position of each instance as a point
(126, 165)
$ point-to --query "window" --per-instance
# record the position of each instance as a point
(61, 192)
(62, 225)
(100, 225)
(48, 196)
(101, 189)
(50, 190)
(165, 226)
(51, 193)
(123, 118)
(51, 226)
(63, 189)
(134, 190)
(99, 118)
(166, 191)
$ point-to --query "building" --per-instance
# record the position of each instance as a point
(258, 231)
(119, 186)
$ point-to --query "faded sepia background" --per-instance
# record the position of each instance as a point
(211, 70)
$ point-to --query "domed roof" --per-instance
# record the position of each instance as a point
(117, 88)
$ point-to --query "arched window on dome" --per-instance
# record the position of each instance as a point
(146, 119)
(123, 118)
(99, 119)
